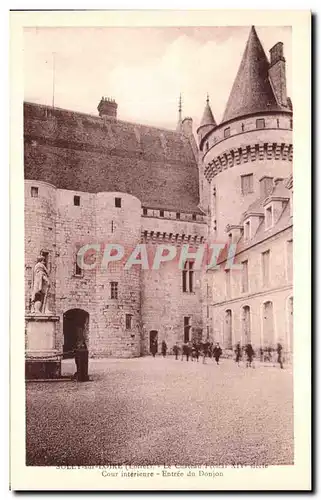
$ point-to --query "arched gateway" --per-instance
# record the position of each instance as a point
(75, 329)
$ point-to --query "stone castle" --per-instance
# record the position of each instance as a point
(97, 179)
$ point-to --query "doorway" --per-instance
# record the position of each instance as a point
(75, 330)
(153, 339)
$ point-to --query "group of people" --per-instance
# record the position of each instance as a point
(265, 354)
(195, 350)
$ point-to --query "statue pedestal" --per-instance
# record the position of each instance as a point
(42, 361)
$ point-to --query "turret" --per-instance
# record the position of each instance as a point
(207, 124)
(253, 143)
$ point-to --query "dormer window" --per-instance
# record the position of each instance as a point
(268, 217)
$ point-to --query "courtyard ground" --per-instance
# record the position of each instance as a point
(158, 411)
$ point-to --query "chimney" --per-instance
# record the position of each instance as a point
(277, 73)
(266, 186)
(107, 107)
(187, 126)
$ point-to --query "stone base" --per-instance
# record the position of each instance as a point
(43, 361)
(42, 369)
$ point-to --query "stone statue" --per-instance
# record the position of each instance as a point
(41, 285)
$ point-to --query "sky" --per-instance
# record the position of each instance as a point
(143, 69)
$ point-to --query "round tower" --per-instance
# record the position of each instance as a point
(40, 235)
(252, 146)
(118, 308)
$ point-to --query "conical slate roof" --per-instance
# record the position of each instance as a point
(208, 118)
(251, 91)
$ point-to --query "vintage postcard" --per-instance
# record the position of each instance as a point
(160, 201)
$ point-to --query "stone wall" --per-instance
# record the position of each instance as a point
(278, 291)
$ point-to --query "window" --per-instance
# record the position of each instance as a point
(34, 192)
(194, 216)
(227, 132)
(245, 276)
(206, 146)
(145, 211)
(289, 259)
(78, 269)
(228, 282)
(268, 217)
(247, 184)
(118, 202)
(260, 123)
(112, 226)
(129, 321)
(242, 127)
(291, 124)
(161, 213)
(178, 215)
(188, 277)
(277, 123)
(187, 329)
(77, 201)
(266, 268)
(114, 290)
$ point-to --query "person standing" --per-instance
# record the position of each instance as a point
(196, 350)
(176, 350)
(279, 351)
(205, 351)
(238, 353)
(249, 353)
(81, 359)
(164, 349)
(153, 348)
(261, 354)
(217, 353)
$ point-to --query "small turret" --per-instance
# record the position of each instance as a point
(208, 123)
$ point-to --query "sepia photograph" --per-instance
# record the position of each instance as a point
(158, 248)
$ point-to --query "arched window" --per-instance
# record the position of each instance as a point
(228, 329)
(246, 324)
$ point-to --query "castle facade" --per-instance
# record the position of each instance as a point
(97, 179)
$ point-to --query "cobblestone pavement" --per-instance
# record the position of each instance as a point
(162, 411)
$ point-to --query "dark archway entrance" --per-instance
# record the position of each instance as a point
(153, 340)
(76, 329)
